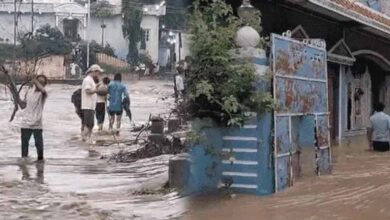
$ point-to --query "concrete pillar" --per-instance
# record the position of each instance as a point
(179, 170)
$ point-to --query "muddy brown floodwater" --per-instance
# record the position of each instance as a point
(74, 183)
(358, 189)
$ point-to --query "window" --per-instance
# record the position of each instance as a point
(147, 35)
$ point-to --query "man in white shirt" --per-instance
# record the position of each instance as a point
(88, 101)
(379, 130)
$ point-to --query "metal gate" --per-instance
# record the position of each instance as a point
(301, 116)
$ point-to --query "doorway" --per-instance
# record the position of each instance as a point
(359, 96)
(333, 97)
(71, 27)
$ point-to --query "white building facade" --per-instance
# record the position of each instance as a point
(71, 18)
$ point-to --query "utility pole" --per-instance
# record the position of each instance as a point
(180, 46)
(103, 26)
(15, 22)
(32, 17)
(15, 26)
(89, 20)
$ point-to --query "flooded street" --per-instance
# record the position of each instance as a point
(359, 189)
(74, 182)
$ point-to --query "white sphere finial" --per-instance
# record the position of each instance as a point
(247, 37)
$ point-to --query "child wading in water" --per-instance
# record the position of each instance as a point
(32, 116)
(117, 92)
(102, 90)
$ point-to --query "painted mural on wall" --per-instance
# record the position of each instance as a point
(301, 96)
(298, 61)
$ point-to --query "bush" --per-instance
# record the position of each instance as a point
(145, 59)
(6, 51)
(46, 41)
(94, 48)
(217, 87)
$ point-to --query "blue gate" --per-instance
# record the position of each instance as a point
(301, 116)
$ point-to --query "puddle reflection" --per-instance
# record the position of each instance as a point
(39, 175)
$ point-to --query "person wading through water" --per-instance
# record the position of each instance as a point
(88, 101)
(102, 90)
(31, 123)
(378, 133)
(117, 92)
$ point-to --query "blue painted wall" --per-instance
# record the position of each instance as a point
(303, 129)
(246, 152)
(252, 167)
(205, 169)
(244, 155)
(374, 4)
(300, 80)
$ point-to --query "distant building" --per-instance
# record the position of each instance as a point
(71, 18)
(357, 36)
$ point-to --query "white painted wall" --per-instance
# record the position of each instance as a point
(112, 2)
(113, 34)
(7, 27)
(185, 49)
(164, 54)
(186, 45)
(385, 7)
(152, 23)
(113, 30)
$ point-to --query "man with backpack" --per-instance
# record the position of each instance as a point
(88, 101)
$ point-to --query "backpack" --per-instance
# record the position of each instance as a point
(76, 99)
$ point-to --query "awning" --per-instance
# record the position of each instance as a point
(350, 10)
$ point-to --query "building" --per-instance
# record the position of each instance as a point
(357, 36)
(174, 41)
(71, 18)
(330, 62)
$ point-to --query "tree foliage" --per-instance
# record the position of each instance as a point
(253, 19)
(132, 31)
(176, 14)
(102, 9)
(217, 87)
(46, 41)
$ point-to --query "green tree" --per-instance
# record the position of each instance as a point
(102, 10)
(176, 16)
(218, 87)
(46, 41)
(52, 41)
(132, 31)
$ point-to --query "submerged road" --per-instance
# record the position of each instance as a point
(74, 183)
(359, 189)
